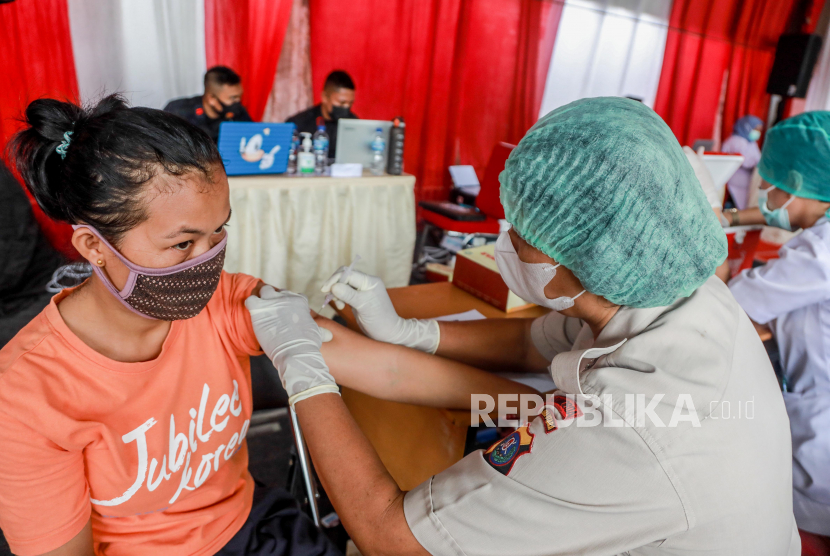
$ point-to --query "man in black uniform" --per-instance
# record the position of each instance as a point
(221, 102)
(335, 103)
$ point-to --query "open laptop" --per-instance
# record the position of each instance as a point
(255, 148)
(354, 140)
(722, 167)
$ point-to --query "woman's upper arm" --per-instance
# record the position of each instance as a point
(44, 496)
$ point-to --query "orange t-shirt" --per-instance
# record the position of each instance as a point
(153, 452)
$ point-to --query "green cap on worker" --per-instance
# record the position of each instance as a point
(602, 186)
(796, 156)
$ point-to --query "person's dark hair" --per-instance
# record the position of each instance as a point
(218, 76)
(338, 79)
(113, 152)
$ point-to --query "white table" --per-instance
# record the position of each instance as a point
(293, 232)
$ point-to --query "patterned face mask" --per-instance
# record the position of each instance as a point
(174, 293)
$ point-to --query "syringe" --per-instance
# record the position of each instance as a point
(343, 279)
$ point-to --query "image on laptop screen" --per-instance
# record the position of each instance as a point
(255, 148)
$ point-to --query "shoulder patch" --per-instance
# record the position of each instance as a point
(503, 454)
(566, 406)
(548, 420)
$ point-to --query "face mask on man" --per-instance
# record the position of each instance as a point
(780, 217)
(528, 280)
(230, 111)
(338, 112)
(754, 135)
(173, 293)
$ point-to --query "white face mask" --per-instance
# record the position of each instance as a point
(528, 280)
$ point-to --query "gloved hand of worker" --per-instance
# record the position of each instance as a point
(375, 314)
(292, 340)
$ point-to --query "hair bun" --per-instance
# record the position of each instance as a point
(51, 118)
(98, 175)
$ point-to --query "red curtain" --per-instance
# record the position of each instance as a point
(464, 74)
(35, 61)
(720, 50)
(247, 35)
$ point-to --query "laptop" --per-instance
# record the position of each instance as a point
(250, 148)
(722, 167)
(354, 140)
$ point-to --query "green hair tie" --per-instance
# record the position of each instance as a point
(61, 149)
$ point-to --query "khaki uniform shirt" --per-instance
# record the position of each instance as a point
(714, 479)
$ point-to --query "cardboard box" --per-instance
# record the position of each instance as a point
(476, 273)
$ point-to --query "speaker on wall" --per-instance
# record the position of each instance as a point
(792, 69)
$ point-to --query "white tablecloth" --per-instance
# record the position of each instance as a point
(294, 232)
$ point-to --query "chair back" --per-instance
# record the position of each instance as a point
(488, 200)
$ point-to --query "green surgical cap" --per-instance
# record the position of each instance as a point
(796, 156)
(602, 186)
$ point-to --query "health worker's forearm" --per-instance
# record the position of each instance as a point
(502, 345)
(401, 374)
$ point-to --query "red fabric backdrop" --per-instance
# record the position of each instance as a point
(35, 61)
(247, 36)
(709, 40)
(464, 74)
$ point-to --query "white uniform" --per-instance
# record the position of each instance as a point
(792, 295)
(557, 486)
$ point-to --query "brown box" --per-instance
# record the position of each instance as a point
(476, 273)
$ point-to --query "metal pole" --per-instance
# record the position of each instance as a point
(305, 466)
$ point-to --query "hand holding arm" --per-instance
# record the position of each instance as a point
(292, 340)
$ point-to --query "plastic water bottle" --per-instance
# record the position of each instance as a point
(292, 153)
(321, 150)
(379, 153)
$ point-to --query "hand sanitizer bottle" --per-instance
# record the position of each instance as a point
(305, 158)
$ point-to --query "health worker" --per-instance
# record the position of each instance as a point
(791, 296)
(612, 231)
(743, 141)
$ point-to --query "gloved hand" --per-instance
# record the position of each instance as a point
(375, 314)
(292, 340)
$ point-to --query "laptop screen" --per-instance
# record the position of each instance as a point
(255, 148)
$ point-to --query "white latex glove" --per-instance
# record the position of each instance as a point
(375, 314)
(292, 340)
(704, 177)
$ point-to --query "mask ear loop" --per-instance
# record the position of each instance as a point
(785, 205)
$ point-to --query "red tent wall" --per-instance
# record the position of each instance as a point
(712, 40)
(36, 61)
(464, 74)
(247, 36)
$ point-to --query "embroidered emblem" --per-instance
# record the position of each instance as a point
(548, 420)
(503, 454)
(566, 406)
